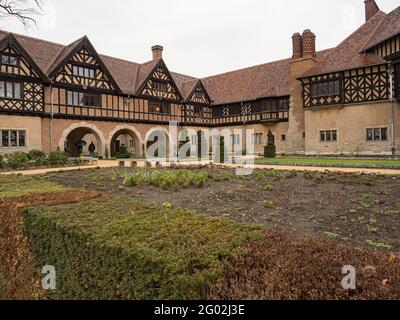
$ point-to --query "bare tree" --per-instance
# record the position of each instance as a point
(25, 11)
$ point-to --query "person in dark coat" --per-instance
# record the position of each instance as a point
(92, 148)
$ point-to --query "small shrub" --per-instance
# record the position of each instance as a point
(2, 163)
(58, 158)
(268, 203)
(267, 187)
(17, 160)
(38, 158)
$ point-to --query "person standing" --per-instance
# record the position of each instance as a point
(92, 148)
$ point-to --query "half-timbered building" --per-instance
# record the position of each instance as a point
(343, 100)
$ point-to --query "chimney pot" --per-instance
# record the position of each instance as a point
(297, 45)
(371, 9)
(309, 44)
(157, 51)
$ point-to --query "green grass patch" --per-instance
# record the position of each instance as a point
(379, 245)
(165, 179)
(127, 249)
(332, 162)
(12, 186)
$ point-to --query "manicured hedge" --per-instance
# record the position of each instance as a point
(35, 158)
(126, 249)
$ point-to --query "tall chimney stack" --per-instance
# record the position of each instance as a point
(297, 46)
(371, 9)
(157, 52)
(309, 44)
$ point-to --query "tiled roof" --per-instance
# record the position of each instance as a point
(347, 54)
(265, 80)
(389, 27)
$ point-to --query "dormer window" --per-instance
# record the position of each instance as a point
(84, 72)
(159, 85)
(9, 60)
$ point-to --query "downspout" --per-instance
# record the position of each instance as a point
(51, 116)
(391, 71)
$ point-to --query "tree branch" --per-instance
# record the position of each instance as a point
(23, 10)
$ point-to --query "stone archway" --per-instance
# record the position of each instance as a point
(77, 132)
(126, 136)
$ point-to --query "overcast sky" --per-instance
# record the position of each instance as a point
(200, 37)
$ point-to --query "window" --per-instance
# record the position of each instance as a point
(9, 60)
(235, 138)
(283, 137)
(84, 72)
(13, 138)
(11, 90)
(160, 86)
(257, 138)
(377, 134)
(325, 89)
(159, 107)
(328, 136)
(131, 143)
(81, 99)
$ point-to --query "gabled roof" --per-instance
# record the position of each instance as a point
(347, 55)
(147, 69)
(389, 27)
(10, 39)
(144, 72)
(71, 50)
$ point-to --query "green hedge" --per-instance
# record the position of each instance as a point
(126, 249)
(35, 158)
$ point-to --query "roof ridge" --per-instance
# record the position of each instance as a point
(120, 59)
(33, 38)
(374, 32)
(245, 68)
(357, 30)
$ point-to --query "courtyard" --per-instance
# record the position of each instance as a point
(199, 232)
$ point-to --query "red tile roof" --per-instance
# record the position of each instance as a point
(347, 54)
(389, 27)
(265, 80)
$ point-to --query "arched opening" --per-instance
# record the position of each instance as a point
(80, 141)
(126, 142)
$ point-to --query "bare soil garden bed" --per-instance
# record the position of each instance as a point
(361, 210)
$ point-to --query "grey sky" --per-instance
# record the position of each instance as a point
(200, 38)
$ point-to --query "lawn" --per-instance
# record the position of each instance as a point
(331, 162)
(19, 186)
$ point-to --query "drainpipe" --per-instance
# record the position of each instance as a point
(51, 116)
(391, 72)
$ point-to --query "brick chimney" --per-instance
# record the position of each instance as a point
(371, 9)
(297, 45)
(157, 52)
(309, 44)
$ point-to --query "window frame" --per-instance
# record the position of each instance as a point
(10, 139)
(84, 68)
(75, 94)
(327, 136)
(162, 105)
(159, 82)
(13, 83)
(10, 55)
(328, 93)
(373, 130)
